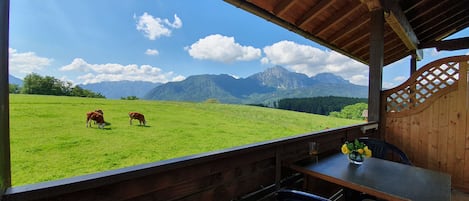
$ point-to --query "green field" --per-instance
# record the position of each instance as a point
(49, 138)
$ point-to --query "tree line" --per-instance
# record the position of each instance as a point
(48, 85)
(343, 107)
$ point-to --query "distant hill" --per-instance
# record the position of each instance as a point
(118, 89)
(14, 80)
(265, 87)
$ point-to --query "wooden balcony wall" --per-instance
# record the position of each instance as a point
(427, 117)
(231, 174)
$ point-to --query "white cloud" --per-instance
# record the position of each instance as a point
(178, 78)
(395, 82)
(388, 85)
(176, 24)
(154, 27)
(152, 52)
(400, 79)
(223, 49)
(26, 62)
(311, 61)
(117, 72)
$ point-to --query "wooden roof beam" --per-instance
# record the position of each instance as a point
(282, 7)
(343, 14)
(313, 12)
(397, 20)
(347, 30)
(453, 44)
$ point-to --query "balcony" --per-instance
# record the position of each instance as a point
(426, 116)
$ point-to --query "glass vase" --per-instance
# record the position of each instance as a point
(356, 158)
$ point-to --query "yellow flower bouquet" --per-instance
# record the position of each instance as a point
(357, 151)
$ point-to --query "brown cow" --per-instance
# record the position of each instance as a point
(136, 115)
(100, 111)
(95, 116)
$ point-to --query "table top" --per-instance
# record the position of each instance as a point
(381, 178)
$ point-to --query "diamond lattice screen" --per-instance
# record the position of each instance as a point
(429, 81)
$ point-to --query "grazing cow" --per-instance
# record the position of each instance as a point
(95, 116)
(136, 115)
(99, 111)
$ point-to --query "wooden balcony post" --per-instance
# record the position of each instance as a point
(376, 63)
(413, 64)
(5, 171)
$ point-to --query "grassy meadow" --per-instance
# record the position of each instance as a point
(49, 139)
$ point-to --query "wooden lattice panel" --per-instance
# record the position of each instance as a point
(424, 84)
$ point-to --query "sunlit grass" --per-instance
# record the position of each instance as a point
(49, 138)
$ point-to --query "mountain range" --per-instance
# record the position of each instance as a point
(14, 80)
(112, 90)
(265, 87)
(118, 89)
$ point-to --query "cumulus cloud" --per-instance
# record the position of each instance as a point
(21, 63)
(154, 27)
(400, 79)
(311, 61)
(116, 72)
(152, 52)
(223, 49)
(395, 82)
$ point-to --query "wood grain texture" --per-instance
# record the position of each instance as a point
(434, 133)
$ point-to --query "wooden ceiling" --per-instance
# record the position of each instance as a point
(344, 25)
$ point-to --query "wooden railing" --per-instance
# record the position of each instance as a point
(231, 174)
(427, 117)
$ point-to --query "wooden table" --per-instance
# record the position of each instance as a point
(381, 178)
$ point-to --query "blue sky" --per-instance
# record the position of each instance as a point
(87, 41)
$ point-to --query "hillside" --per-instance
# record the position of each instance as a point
(265, 87)
(174, 129)
(14, 80)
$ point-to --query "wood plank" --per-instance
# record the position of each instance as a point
(390, 130)
(452, 129)
(398, 132)
(461, 128)
(464, 68)
(433, 137)
(424, 136)
(406, 134)
(443, 148)
(443, 133)
(414, 138)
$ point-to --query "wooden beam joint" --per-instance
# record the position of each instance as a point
(372, 4)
